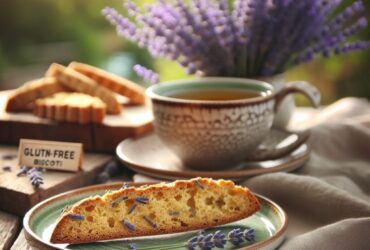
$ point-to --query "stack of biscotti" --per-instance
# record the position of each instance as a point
(71, 107)
(80, 78)
(113, 82)
(31, 91)
(156, 209)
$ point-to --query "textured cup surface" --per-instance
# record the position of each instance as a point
(210, 135)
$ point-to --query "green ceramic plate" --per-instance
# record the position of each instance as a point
(269, 224)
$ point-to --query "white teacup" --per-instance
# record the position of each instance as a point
(214, 122)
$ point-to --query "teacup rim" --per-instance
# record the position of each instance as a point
(150, 92)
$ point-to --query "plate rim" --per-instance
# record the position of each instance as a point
(232, 174)
(31, 236)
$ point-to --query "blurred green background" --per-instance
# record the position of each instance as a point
(35, 33)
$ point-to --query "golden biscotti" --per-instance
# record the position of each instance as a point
(156, 209)
(81, 83)
(134, 92)
(71, 107)
(31, 91)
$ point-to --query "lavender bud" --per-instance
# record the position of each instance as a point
(219, 239)
(147, 74)
(132, 208)
(248, 234)
(236, 236)
(7, 168)
(132, 246)
(103, 177)
(111, 168)
(76, 217)
(23, 171)
(9, 157)
(128, 225)
(142, 199)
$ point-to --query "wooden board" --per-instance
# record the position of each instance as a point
(133, 121)
(22, 243)
(9, 225)
(17, 195)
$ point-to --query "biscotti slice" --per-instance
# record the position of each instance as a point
(155, 209)
(30, 91)
(81, 83)
(71, 107)
(134, 92)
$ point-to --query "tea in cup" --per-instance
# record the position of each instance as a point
(214, 122)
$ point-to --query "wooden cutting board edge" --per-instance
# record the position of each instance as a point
(95, 137)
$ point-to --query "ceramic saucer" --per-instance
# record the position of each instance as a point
(281, 151)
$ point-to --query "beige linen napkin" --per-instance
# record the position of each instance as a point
(328, 199)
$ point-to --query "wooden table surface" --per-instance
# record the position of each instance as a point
(11, 232)
(11, 228)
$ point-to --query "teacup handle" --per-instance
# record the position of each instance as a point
(310, 91)
(313, 94)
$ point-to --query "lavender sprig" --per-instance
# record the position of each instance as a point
(219, 239)
(150, 222)
(23, 171)
(8, 157)
(249, 38)
(132, 246)
(199, 184)
(236, 236)
(7, 168)
(35, 177)
(142, 199)
(132, 208)
(147, 74)
(76, 217)
(128, 225)
(248, 234)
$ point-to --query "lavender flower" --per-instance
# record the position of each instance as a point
(103, 177)
(7, 168)
(118, 200)
(35, 177)
(249, 38)
(199, 184)
(206, 243)
(236, 236)
(132, 208)
(23, 171)
(248, 234)
(111, 168)
(219, 239)
(8, 157)
(192, 243)
(128, 225)
(142, 199)
(132, 246)
(76, 217)
(152, 223)
(147, 74)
